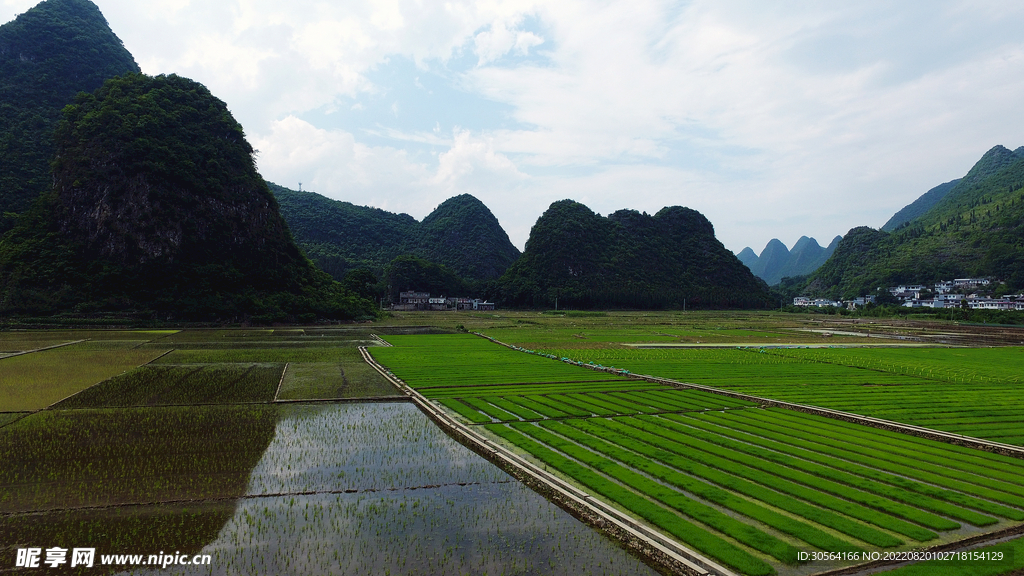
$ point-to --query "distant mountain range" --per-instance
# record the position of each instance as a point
(777, 262)
(973, 227)
(141, 196)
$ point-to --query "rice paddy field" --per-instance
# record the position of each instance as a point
(279, 450)
(971, 391)
(750, 488)
(259, 448)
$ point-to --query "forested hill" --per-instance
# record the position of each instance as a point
(976, 229)
(47, 55)
(157, 208)
(461, 234)
(629, 260)
(919, 207)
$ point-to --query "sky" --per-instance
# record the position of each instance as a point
(773, 119)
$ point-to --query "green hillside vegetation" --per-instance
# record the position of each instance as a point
(461, 234)
(47, 55)
(628, 259)
(977, 229)
(157, 208)
(919, 207)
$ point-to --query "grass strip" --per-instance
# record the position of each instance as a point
(736, 484)
(689, 534)
(627, 400)
(542, 409)
(809, 534)
(537, 388)
(564, 407)
(513, 408)
(487, 408)
(465, 411)
(583, 401)
(912, 499)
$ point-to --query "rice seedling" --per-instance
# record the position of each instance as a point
(164, 384)
(36, 380)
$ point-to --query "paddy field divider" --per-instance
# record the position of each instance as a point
(879, 423)
(62, 344)
(637, 535)
(281, 381)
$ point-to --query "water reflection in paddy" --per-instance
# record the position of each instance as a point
(388, 493)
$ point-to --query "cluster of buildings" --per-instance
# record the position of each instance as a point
(826, 303)
(423, 301)
(958, 293)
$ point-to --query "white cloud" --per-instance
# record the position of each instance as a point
(501, 38)
(335, 164)
(772, 119)
(472, 164)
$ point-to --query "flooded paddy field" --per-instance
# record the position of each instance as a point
(353, 488)
(396, 496)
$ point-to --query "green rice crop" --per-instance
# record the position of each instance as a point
(840, 457)
(467, 412)
(255, 355)
(534, 388)
(916, 503)
(695, 510)
(36, 380)
(687, 448)
(1005, 473)
(489, 409)
(466, 360)
(950, 474)
(954, 390)
(156, 385)
(740, 486)
(589, 402)
(981, 563)
(351, 377)
(69, 458)
(512, 408)
(809, 534)
(688, 533)
(555, 403)
(531, 403)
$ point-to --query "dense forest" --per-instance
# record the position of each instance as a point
(461, 234)
(156, 207)
(47, 55)
(579, 259)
